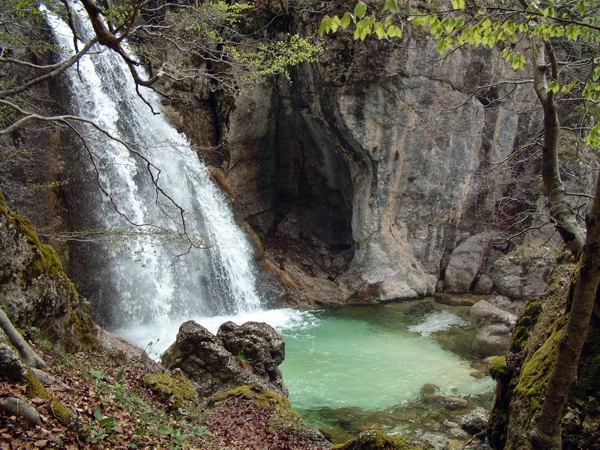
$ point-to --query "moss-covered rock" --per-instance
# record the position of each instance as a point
(524, 323)
(175, 390)
(34, 290)
(81, 332)
(498, 368)
(536, 371)
(282, 414)
(377, 440)
(261, 416)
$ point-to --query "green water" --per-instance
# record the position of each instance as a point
(356, 365)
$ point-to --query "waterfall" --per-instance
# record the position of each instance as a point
(156, 275)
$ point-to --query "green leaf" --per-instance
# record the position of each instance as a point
(448, 25)
(360, 10)
(98, 413)
(107, 421)
(582, 7)
(379, 31)
(554, 87)
(394, 31)
(346, 20)
(593, 138)
(458, 4)
(392, 5)
(573, 32)
(326, 24)
(569, 87)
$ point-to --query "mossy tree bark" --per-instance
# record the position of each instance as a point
(24, 349)
(546, 433)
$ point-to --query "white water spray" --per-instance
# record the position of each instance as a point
(155, 284)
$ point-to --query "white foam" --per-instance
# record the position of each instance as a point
(437, 322)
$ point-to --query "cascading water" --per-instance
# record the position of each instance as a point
(155, 283)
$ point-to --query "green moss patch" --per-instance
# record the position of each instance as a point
(529, 317)
(536, 371)
(499, 368)
(175, 390)
(81, 332)
(377, 440)
(279, 407)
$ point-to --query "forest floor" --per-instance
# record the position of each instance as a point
(109, 398)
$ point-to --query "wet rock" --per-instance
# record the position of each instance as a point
(247, 355)
(515, 307)
(428, 391)
(484, 313)
(494, 327)
(459, 434)
(464, 263)
(454, 403)
(437, 442)
(258, 344)
(450, 424)
(492, 340)
(456, 300)
(335, 434)
(476, 421)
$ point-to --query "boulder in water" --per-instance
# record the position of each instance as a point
(476, 421)
(494, 327)
(238, 355)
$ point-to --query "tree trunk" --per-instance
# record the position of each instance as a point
(26, 352)
(560, 210)
(546, 433)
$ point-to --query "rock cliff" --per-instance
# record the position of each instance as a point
(374, 169)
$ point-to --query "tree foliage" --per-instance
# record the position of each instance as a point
(220, 45)
(573, 25)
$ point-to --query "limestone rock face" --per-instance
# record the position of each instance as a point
(237, 356)
(362, 158)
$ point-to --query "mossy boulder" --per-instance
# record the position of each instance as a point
(34, 290)
(237, 356)
(377, 440)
